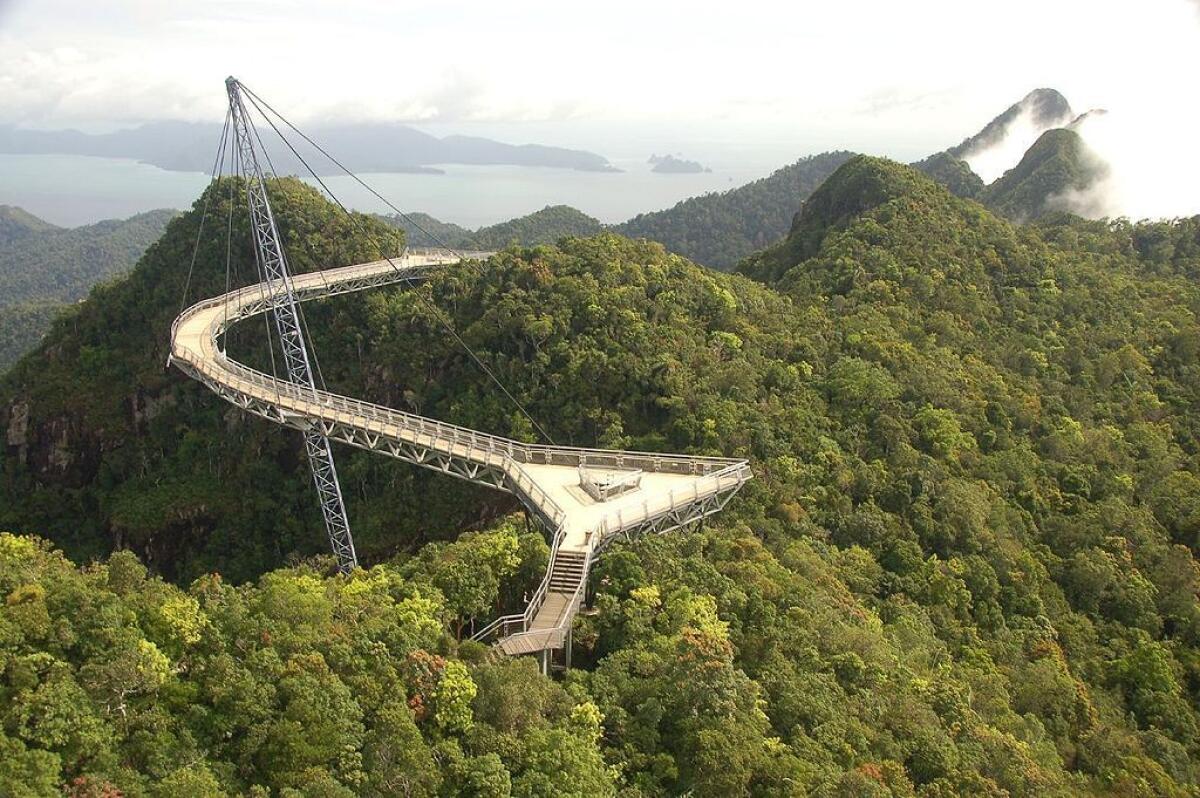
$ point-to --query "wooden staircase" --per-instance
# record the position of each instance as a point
(568, 571)
(549, 629)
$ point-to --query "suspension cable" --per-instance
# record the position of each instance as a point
(256, 100)
(229, 235)
(218, 164)
(433, 309)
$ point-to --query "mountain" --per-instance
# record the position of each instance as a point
(861, 185)
(17, 223)
(43, 267)
(953, 173)
(62, 264)
(1042, 109)
(966, 564)
(719, 229)
(540, 227)
(422, 230)
(362, 147)
(1056, 166)
(999, 144)
(1040, 163)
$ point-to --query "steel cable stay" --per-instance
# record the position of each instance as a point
(254, 98)
(218, 165)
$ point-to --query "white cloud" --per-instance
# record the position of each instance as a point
(992, 161)
(903, 79)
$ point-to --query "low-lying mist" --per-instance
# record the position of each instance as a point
(1153, 167)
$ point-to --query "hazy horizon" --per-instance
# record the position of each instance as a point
(778, 72)
(763, 88)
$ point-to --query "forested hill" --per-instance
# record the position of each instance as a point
(545, 226)
(966, 566)
(718, 230)
(43, 267)
(62, 264)
(422, 230)
(953, 173)
(17, 223)
(540, 227)
(107, 449)
(1056, 170)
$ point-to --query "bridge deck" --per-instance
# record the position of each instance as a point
(674, 489)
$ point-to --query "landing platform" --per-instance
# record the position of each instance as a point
(587, 521)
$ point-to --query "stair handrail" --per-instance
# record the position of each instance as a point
(558, 632)
(535, 601)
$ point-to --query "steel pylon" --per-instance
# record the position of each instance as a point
(273, 269)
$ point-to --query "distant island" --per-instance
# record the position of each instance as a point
(669, 164)
(361, 146)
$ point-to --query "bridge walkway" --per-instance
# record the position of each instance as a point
(674, 490)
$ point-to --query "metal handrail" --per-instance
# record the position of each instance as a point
(535, 601)
(308, 287)
(557, 633)
(717, 482)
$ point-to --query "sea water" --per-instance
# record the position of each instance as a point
(71, 190)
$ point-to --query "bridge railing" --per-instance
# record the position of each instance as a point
(315, 284)
(490, 450)
(728, 478)
(516, 623)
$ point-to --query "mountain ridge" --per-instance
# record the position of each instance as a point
(367, 147)
(45, 269)
(1046, 108)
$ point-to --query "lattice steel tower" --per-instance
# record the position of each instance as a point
(273, 270)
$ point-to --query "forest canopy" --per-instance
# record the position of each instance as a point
(967, 564)
(44, 268)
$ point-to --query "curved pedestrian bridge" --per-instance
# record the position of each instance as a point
(585, 497)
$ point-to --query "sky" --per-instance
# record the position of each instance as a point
(898, 79)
